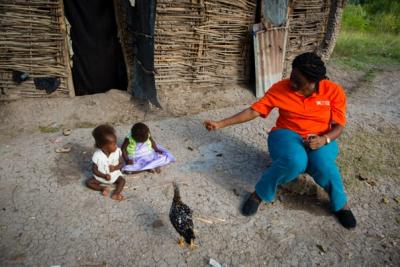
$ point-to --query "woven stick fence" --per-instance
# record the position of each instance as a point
(32, 40)
(198, 43)
(308, 23)
(203, 43)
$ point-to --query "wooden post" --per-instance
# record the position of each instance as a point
(122, 36)
(70, 84)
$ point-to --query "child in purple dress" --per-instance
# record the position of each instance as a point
(141, 152)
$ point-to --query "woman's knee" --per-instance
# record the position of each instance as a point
(322, 165)
(295, 163)
(324, 172)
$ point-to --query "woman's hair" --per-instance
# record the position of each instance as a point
(311, 66)
(140, 132)
(103, 134)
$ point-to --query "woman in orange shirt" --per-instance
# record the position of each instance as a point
(312, 114)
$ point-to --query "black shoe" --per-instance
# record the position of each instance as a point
(346, 218)
(250, 207)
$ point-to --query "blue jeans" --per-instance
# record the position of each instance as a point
(290, 158)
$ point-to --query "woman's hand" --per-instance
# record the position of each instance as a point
(212, 125)
(107, 177)
(316, 141)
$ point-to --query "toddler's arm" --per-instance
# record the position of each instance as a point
(124, 149)
(98, 173)
(154, 145)
(117, 167)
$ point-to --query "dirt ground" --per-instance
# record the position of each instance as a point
(115, 106)
(48, 217)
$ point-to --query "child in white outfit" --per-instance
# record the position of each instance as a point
(107, 163)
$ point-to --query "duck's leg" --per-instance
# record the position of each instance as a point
(181, 242)
(192, 245)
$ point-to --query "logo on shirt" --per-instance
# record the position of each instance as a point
(323, 102)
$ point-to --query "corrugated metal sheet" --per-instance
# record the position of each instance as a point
(269, 52)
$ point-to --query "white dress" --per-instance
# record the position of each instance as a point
(103, 162)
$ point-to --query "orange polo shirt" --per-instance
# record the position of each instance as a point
(304, 115)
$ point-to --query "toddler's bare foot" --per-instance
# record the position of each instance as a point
(158, 170)
(118, 197)
(106, 192)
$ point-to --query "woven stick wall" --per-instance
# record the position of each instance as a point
(308, 24)
(203, 43)
(32, 40)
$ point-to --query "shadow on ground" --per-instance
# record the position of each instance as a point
(73, 166)
(237, 165)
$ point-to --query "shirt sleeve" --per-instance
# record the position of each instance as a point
(96, 158)
(338, 107)
(264, 105)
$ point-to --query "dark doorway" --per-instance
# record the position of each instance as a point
(98, 61)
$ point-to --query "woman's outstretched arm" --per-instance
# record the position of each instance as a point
(246, 115)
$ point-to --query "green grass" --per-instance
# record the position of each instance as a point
(355, 18)
(373, 16)
(370, 35)
(49, 129)
(362, 50)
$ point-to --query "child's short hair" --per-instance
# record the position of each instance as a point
(102, 134)
(140, 132)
